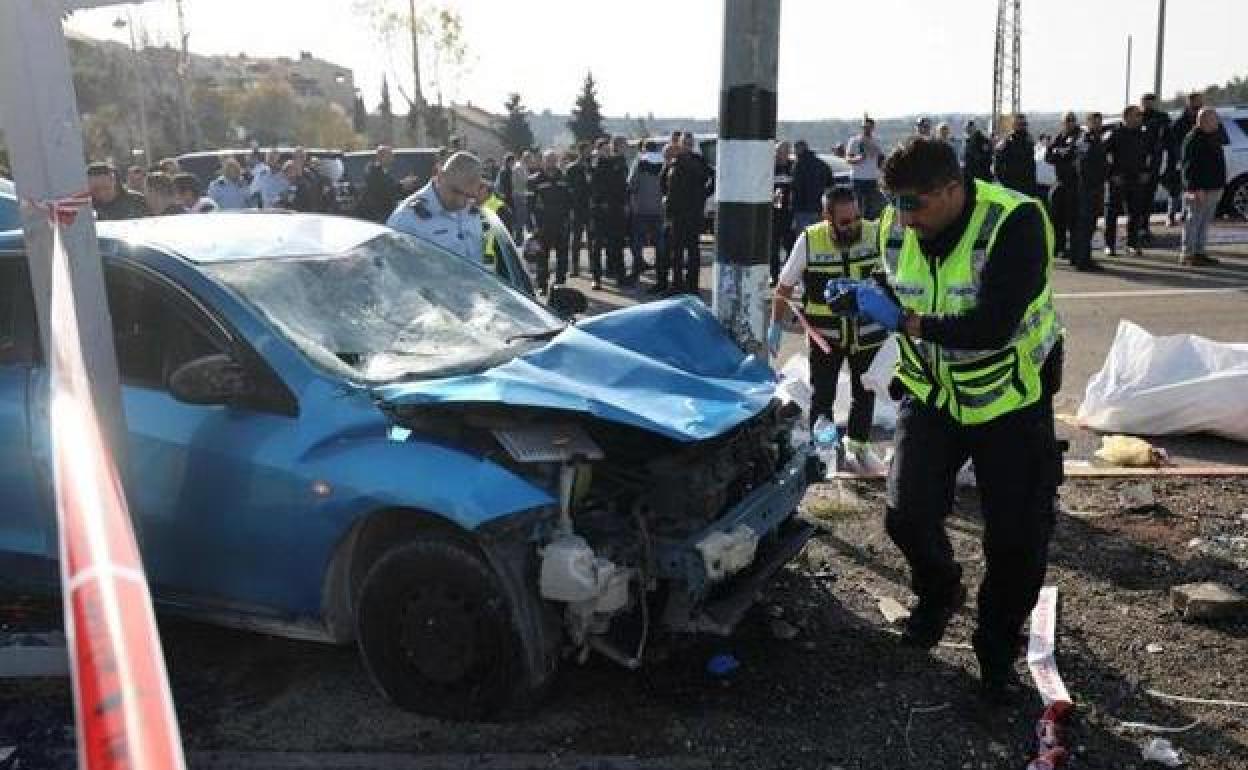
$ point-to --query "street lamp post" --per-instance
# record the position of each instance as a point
(128, 22)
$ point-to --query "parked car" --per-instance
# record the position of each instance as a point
(338, 432)
(206, 166)
(10, 215)
(413, 167)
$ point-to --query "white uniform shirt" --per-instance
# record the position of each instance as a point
(869, 148)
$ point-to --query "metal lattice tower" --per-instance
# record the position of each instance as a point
(1006, 64)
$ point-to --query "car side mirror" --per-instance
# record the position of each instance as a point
(567, 302)
(214, 379)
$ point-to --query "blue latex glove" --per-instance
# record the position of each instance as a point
(774, 334)
(874, 304)
(837, 287)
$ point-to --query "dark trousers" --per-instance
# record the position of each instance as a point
(607, 234)
(579, 237)
(1088, 205)
(781, 240)
(554, 237)
(1133, 197)
(686, 253)
(1149, 194)
(1017, 469)
(645, 228)
(1063, 202)
(825, 368)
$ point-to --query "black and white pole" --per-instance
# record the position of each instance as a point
(745, 161)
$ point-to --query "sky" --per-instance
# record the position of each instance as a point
(837, 59)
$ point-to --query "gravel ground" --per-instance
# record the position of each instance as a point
(840, 693)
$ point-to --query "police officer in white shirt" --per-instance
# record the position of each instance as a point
(444, 211)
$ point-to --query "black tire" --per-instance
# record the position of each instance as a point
(436, 633)
(1235, 201)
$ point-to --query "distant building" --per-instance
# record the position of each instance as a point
(308, 76)
(479, 130)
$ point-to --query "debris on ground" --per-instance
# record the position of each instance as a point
(1148, 727)
(722, 665)
(1153, 648)
(1208, 601)
(1130, 452)
(893, 611)
(1137, 497)
(1160, 750)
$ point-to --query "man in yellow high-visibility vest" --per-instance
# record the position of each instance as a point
(980, 360)
(840, 246)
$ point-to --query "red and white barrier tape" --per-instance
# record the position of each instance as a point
(122, 705)
(811, 332)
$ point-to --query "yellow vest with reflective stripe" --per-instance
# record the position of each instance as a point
(826, 260)
(489, 253)
(972, 386)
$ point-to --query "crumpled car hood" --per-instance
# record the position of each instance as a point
(667, 367)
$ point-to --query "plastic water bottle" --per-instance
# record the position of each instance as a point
(827, 441)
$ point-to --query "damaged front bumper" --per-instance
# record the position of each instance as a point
(717, 573)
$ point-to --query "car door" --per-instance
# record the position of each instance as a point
(206, 484)
(27, 534)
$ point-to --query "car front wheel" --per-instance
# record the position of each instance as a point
(1237, 199)
(436, 631)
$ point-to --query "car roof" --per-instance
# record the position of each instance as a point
(397, 151)
(236, 235)
(227, 236)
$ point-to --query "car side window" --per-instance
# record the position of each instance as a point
(155, 329)
(18, 335)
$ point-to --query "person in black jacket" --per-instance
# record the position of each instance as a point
(977, 154)
(381, 190)
(689, 184)
(811, 176)
(781, 208)
(1155, 124)
(1204, 176)
(609, 200)
(552, 208)
(1089, 189)
(1062, 199)
(577, 177)
(1127, 152)
(1179, 130)
(1014, 161)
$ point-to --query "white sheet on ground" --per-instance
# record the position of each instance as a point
(1182, 383)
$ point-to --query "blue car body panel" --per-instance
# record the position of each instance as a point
(243, 510)
(667, 367)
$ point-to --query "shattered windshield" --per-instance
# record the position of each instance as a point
(390, 308)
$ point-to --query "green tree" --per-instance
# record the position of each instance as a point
(359, 115)
(386, 135)
(321, 124)
(586, 122)
(269, 112)
(437, 124)
(517, 133)
(214, 115)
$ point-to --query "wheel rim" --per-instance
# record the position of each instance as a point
(1240, 201)
(439, 635)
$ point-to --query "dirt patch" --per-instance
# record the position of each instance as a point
(841, 693)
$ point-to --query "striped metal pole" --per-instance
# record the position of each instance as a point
(745, 160)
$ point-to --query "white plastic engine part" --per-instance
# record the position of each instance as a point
(572, 573)
(569, 572)
(727, 553)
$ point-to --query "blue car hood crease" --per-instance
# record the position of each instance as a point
(668, 367)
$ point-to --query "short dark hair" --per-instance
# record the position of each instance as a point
(839, 194)
(1148, 98)
(186, 183)
(921, 164)
(100, 168)
(1130, 108)
(1091, 115)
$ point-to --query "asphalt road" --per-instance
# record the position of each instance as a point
(1152, 291)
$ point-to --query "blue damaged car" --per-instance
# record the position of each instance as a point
(340, 433)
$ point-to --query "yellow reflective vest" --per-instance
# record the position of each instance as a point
(826, 260)
(972, 386)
